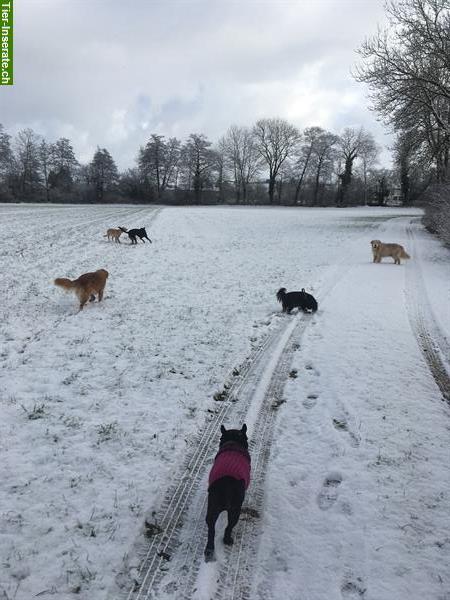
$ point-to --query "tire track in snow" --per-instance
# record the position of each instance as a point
(179, 496)
(258, 389)
(433, 343)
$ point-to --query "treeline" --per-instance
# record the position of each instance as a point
(270, 163)
(407, 67)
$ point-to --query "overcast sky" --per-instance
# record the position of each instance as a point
(111, 72)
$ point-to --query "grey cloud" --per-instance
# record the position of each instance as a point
(111, 72)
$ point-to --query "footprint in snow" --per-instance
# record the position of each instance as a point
(346, 508)
(342, 425)
(310, 367)
(353, 589)
(310, 401)
(329, 492)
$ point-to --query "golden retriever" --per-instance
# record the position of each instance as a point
(86, 286)
(380, 250)
(114, 234)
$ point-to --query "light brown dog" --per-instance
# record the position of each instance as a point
(381, 250)
(114, 234)
(86, 286)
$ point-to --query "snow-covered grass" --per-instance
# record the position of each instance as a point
(97, 408)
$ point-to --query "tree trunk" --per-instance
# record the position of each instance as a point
(317, 181)
(271, 188)
(346, 179)
(300, 181)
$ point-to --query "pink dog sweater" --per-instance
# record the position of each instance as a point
(231, 461)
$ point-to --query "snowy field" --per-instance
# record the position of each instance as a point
(99, 408)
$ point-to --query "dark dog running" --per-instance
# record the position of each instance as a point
(228, 480)
(301, 300)
(133, 234)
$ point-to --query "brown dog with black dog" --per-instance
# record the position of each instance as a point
(133, 234)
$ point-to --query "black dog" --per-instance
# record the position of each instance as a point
(133, 234)
(302, 300)
(228, 480)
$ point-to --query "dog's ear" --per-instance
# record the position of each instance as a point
(222, 429)
(244, 428)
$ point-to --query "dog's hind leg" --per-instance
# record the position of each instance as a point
(83, 297)
(236, 493)
(215, 507)
(233, 518)
(211, 519)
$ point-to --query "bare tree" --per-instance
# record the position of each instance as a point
(5, 150)
(199, 163)
(314, 160)
(352, 144)
(102, 173)
(45, 158)
(302, 160)
(64, 165)
(242, 158)
(221, 168)
(323, 156)
(276, 140)
(26, 162)
(412, 159)
(407, 68)
(6, 162)
(158, 160)
(368, 157)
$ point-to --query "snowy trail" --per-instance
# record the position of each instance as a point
(433, 342)
(255, 395)
(360, 451)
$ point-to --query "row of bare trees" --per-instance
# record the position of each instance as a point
(271, 162)
(32, 169)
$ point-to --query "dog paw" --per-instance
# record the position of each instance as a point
(228, 540)
(209, 555)
(329, 492)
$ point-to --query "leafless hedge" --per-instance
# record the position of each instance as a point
(437, 211)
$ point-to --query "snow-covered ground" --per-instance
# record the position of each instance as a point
(99, 408)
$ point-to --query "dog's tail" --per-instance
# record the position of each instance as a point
(67, 284)
(280, 294)
(124, 229)
(106, 235)
(404, 254)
